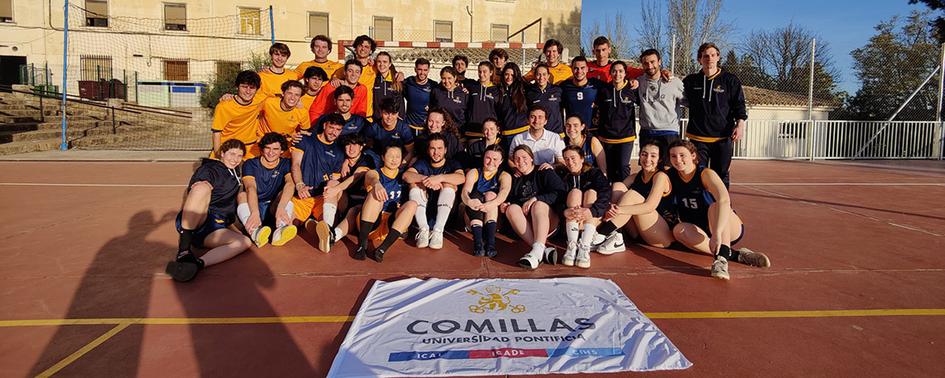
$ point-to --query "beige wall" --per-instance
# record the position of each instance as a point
(36, 31)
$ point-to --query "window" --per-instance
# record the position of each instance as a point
(6, 11)
(383, 28)
(249, 21)
(443, 31)
(95, 67)
(317, 24)
(96, 13)
(176, 70)
(227, 68)
(500, 33)
(175, 16)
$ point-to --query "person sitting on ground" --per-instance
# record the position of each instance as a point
(267, 180)
(208, 211)
(433, 178)
(485, 189)
(350, 189)
(384, 213)
(576, 134)
(491, 136)
(588, 198)
(528, 206)
(316, 159)
(707, 222)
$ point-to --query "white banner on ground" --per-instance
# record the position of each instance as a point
(436, 327)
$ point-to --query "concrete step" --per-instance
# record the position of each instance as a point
(31, 146)
(37, 135)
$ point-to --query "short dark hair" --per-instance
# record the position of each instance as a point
(462, 58)
(705, 46)
(649, 52)
(274, 137)
(449, 70)
(601, 41)
(344, 89)
(292, 84)
(487, 63)
(320, 37)
(231, 144)
(334, 119)
(280, 47)
(524, 147)
(315, 71)
(421, 62)
(553, 42)
(501, 53)
(618, 63)
(578, 149)
(361, 38)
(579, 58)
(493, 120)
(388, 105)
(353, 138)
(353, 62)
(247, 77)
(436, 136)
(496, 148)
(537, 107)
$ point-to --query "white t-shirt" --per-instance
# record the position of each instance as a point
(547, 148)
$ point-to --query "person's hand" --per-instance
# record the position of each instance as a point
(399, 77)
(300, 105)
(283, 217)
(582, 214)
(634, 84)
(331, 190)
(739, 132)
(612, 212)
(226, 97)
(486, 206)
(296, 137)
(475, 204)
(379, 193)
(335, 82)
(714, 244)
(303, 191)
(545, 166)
(345, 169)
(527, 206)
(253, 222)
(666, 75)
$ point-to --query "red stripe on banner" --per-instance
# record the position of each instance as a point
(488, 45)
(508, 353)
(341, 49)
(515, 45)
(460, 45)
(405, 44)
(433, 45)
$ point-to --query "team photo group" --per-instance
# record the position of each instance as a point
(543, 152)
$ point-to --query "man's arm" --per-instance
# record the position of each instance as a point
(413, 177)
(303, 190)
(252, 199)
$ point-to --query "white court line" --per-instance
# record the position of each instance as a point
(93, 185)
(837, 184)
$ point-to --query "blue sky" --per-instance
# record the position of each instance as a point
(844, 24)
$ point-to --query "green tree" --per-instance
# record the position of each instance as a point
(222, 82)
(892, 65)
(938, 24)
(747, 70)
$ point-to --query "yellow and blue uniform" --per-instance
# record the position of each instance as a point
(353, 125)
(616, 127)
(665, 208)
(579, 100)
(482, 105)
(221, 211)
(269, 181)
(418, 102)
(394, 186)
(548, 98)
(380, 137)
(692, 201)
(453, 102)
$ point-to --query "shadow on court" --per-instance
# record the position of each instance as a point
(117, 284)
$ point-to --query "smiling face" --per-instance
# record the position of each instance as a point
(272, 152)
(278, 59)
(353, 150)
(553, 55)
(232, 158)
(651, 65)
(313, 83)
(246, 92)
(423, 71)
(459, 66)
(485, 75)
(383, 64)
(291, 96)
(389, 119)
(437, 151)
(491, 160)
(321, 50)
(649, 158)
(490, 130)
(619, 73)
(579, 70)
(331, 132)
(537, 119)
(573, 161)
(352, 73)
(363, 51)
(682, 159)
(435, 122)
(392, 157)
(343, 103)
(448, 80)
(508, 75)
(523, 161)
(542, 76)
(498, 62)
(573, 128)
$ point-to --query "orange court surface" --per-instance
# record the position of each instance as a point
(856, 286)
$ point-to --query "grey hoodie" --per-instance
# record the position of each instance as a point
(659, 103)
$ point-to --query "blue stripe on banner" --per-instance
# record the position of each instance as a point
(183, 90)
(423, 356)
(579, 352)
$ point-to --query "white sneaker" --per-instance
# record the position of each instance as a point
(597, 241)
(720, 268)
(436, 240)
(613, 244)
(423, 238)
(569, 254)
(584, 256)
(531, 260)
(749, 257)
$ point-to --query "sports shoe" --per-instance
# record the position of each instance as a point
(569, 254)
(749, 257)
(360, 253)
(379, 254)
(283, 234)
(423, 238)
(261, 236)
(479, 252)
(531, 260)
(720, 268)
(583, 256)
(491, 252)
(181, 271)
(613, 243)
(436, 239)
(598, 240)
(326, 237)
(551, 256)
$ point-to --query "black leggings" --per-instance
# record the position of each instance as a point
(717, 156)
(618, 160)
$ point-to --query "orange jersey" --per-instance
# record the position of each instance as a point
(325, 102)
(237, 121)
(281, 121)
(307, 101)
(367, 80)
(272, 82)
(329, 66)
(559, 73)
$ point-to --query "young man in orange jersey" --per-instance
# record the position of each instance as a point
(321, 47)
(325, 102)
(239, 118)
(283, 115)
(312, 79)
(559, 71)
(273, 76)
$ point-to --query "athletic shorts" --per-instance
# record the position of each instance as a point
(475, 214)
(381, 227)
(215, 221)
(309, 207)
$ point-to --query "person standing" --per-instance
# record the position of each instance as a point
(659, 102)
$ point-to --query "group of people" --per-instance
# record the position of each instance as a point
(356, 147)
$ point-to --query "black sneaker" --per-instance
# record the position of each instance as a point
(360, 253)
(491, 252)
(181, 271)
(479, 252)
(379, 254)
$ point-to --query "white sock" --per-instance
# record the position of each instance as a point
(338, 233)
(538, 248)
(289, 209)
(588, 236)
(420, 197)
(571, 230)
(242, 212)
(328, 212)
(444, 204)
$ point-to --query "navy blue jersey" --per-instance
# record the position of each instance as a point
(269, 181)
(353, 125)
(225, 182)
(665, 208)
(579, 100)
(549, 99)
(691, 198)
(453, 102)
(588, 152)
(394, 187)
(379, 138)
(426, 168)
(484, 184)
(590, 179)
(418, 101)
(482, 105)
(616, 117)
(383, 90)
(369, 160)
(319, 160)
(512, 121)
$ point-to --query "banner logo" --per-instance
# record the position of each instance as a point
(494, 300)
